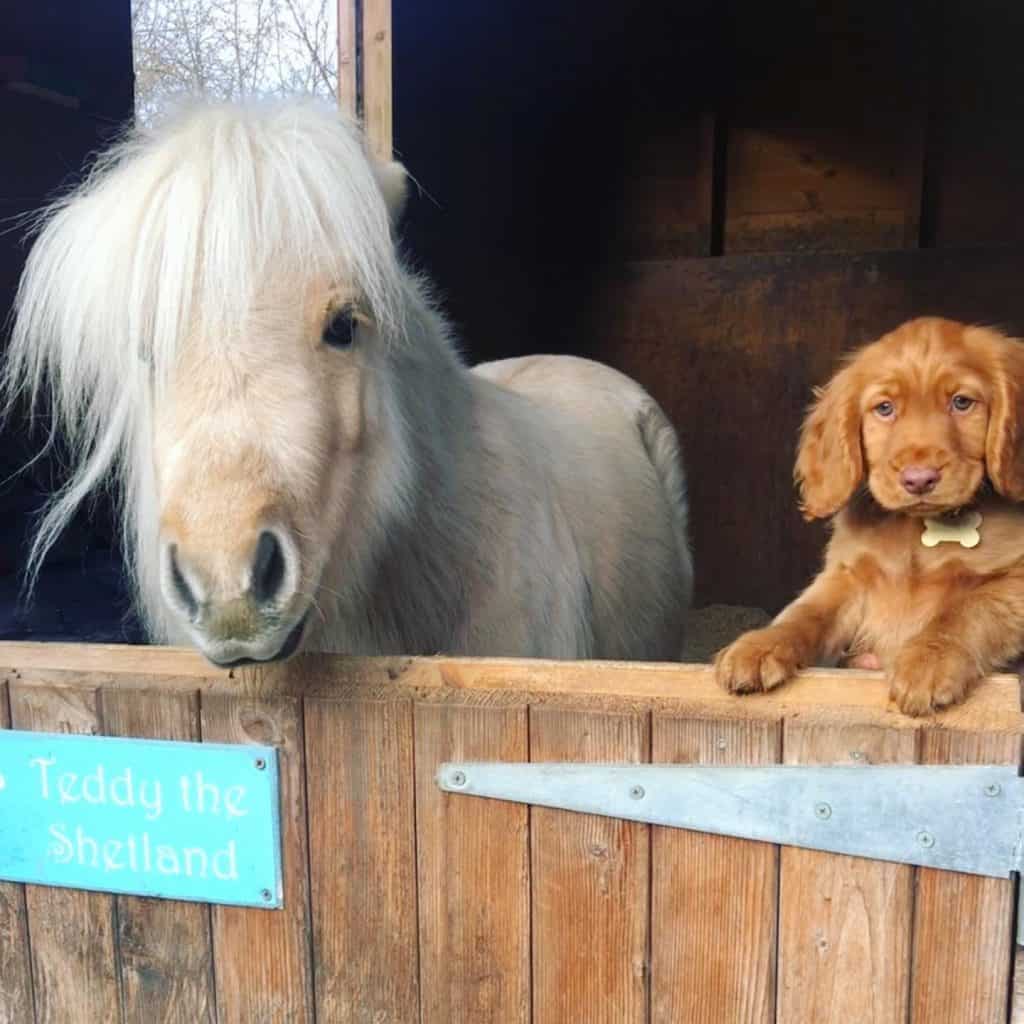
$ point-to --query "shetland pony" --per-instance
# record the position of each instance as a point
(222, 326)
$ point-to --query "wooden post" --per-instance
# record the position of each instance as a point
(377, 76)
(368, 81)
(348, 92)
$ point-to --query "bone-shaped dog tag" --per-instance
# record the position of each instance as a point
(962, 530)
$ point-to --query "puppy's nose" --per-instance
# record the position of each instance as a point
(919, 479)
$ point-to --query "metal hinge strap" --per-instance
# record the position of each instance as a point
(955, 817)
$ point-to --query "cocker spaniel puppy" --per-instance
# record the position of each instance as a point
(915, 448)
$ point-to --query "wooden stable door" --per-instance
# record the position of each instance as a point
(407, 904)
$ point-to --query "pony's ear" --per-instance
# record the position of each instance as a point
(829, 461)
(392, 178)
(1004, 443)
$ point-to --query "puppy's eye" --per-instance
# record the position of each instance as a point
(885, 409)
(961, 403)
(340, 328)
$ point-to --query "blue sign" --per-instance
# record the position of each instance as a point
(187, 821)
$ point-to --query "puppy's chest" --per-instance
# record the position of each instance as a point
(905, 576)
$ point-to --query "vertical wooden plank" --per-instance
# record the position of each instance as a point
(844, 922)
(263, 959)
(377, 104)
(165, 945)
(977, 151)
(1017, 994)
(347, 88)
(15, 958)
(74, 956)
(473, 873)
(713, 899)
(806, 169)
(589, 882)
(666, 203)
(361, 818)
(963, 924)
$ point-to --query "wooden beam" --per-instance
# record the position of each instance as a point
(861, 697)
(377, 104)
(348, 92)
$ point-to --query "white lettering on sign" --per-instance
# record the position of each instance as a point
(203, 797)
(95, 788)
(138, 853)
(179, 820)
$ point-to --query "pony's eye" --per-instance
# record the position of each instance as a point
(961, 403)
(885, 409)
(340, 328)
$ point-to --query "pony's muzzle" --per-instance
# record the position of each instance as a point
(236, 606)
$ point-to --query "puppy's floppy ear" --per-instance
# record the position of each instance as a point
(829, 460)
(1004, 444)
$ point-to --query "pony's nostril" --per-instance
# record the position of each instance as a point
(268, 568)
(180, 584)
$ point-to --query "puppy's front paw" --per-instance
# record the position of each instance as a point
(758, 660)
(925, 677)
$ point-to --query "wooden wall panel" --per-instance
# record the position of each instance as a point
(166, 946)
(264, 958)
(976, 145)
(72, 933)
(825, 127)
(360, 778)
(714, 899)
(474, 953)
(589, 878)
(963, 945)
(732, 348)
(15, 961)
(844, 922)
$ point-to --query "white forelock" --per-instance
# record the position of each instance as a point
(174, 231)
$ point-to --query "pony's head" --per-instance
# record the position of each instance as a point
(213, 315)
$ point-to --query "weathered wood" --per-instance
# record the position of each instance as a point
(165, 946)
(1017, 991)
(347, 88)
(362, 834)
(263, 958)
(474, 948)
(713, 898)
(963, 935)
(667, 198)
(15, 960)
(377, 106)
(780, 324)
(976, 156)
(814, 172)
(844, 922)
(837, 695)
(71, 932)
(590, 879)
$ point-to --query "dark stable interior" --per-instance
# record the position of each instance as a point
(718, 199)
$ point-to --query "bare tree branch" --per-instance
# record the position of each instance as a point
(232, 48)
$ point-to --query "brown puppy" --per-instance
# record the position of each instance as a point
(924, 571)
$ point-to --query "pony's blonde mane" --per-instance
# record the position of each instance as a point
(171, 235)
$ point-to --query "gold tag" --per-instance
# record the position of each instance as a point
(963, 531)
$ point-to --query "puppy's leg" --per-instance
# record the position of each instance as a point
(978, 632)
(809, 627)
